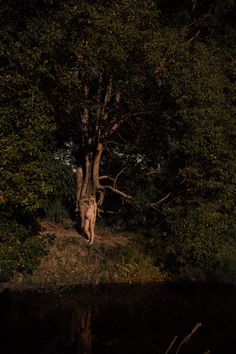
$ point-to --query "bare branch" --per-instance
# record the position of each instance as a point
(85, 114)
(194, 36)
(114, 106)
(108, 92)
(101, 198)
(98, 100)
(171, 345)
(96, 165)
(139, 113)
(104, 114)
(118, 96)
(124, 140)
(86, 179)
(187, 338)
(106, 177)
(79, 183)
(117, 191)
(115, 126)
(194, 5)
(96, 178)
(153, 205)
(118, 174)
(98, 97)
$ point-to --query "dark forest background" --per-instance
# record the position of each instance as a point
(174, 62)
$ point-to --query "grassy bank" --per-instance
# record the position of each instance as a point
(113, 258)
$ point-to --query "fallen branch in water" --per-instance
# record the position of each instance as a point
(185, 340)
(171, 345)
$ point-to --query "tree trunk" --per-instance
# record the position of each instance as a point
(94, 131)
(85, 187)
(88, 183)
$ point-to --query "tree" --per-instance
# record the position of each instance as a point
(96, 70)
(27, 163)
(198, 131)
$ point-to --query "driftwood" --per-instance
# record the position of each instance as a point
(185, 340)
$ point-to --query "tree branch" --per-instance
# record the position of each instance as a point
(86, 179)
(171, 345)
(108, 92)
(153, 205)
(187, 338)
(194, 36)
(79, 183)
(117, 191)
(115, 126)
(118, 174)
(106, 177)
(101, 198)
(96, 179)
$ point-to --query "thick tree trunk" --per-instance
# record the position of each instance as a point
(88, 183)
(95, 130)
(85, 188)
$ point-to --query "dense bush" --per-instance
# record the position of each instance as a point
(199, 245)
(20, 250)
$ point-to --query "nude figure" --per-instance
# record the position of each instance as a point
(90, 219)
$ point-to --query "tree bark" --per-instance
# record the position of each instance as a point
(88, 183)
(96, 129)
(85, 187)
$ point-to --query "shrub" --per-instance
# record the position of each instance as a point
(56, 211)
(20, 251)
(199, 245)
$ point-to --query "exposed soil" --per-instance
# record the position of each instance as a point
(113, 258)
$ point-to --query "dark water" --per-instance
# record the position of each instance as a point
(139, 319)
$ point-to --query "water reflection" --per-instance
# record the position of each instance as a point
(119, 319)
(81, 333)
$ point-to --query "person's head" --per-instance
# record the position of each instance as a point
(91, 200)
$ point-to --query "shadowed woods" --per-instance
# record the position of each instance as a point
(164, 318)
(131, 100)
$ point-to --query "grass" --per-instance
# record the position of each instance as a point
(114, 257)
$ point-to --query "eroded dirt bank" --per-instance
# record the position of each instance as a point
(113, 258)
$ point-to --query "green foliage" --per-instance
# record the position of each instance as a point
(176, 74)
(19, 250)
(27, 161)
(123, 261)
(200, 244)
(56, 211)
(200, 218)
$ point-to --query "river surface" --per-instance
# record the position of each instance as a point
(120, 319)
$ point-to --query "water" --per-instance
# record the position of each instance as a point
(119, 319)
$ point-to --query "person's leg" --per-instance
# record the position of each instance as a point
(92, 226)
(86, 229)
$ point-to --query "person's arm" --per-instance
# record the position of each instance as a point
(95, 211)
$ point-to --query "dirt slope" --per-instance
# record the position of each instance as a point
(114, 257)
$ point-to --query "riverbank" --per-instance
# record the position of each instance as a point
(113, 258)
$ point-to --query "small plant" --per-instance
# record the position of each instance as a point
(71, 241)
